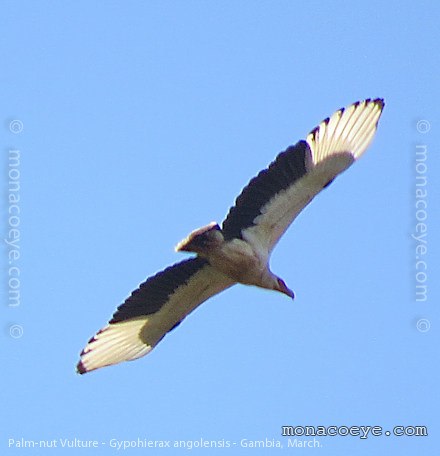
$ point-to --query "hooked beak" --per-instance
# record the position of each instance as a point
(289, 293)
(284, 289)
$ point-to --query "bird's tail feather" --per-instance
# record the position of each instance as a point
(201, 240)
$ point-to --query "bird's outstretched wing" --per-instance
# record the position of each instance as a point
(273, 199)
(155, 308)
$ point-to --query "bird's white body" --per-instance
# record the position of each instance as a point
(239, 251)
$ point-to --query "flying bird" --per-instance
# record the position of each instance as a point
(239, 250)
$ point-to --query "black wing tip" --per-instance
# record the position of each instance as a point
(315, 130)
(380, 102)
(80, 368)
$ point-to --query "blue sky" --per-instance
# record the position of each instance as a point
(140, 121)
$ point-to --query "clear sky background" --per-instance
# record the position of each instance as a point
(140, 121)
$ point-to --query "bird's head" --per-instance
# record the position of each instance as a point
(281, 286)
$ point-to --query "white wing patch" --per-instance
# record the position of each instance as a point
(130, 339)
(347, 130)
(334, 145)
(113, 344)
